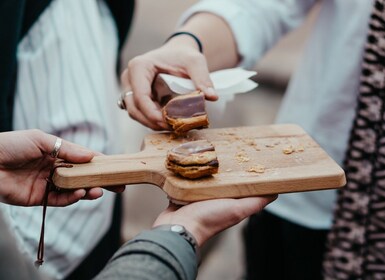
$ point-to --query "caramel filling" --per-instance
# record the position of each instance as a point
(213, 163)
(186, 107)
(194, 147)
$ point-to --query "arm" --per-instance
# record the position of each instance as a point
(255, 25)
(159, 254)
(232, 33)
(12, 264)
(25, 163)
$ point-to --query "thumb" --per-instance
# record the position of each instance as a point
(68, 151)
(199, 74)
(75, 153)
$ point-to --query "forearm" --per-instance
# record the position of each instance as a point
(255, 25)
(153, 255)
(217, 39)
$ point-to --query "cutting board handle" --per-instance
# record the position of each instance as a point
(112, 170)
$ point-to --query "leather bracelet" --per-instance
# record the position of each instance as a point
(183, 232)
(199, 43)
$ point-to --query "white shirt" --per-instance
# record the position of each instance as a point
(67, 86)
(321, 96)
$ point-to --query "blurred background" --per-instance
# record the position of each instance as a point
(153, 22)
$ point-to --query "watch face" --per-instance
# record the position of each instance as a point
(177, 228)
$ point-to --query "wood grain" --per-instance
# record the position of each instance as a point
(253, 161)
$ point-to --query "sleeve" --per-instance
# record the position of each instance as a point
(256, 24)
(153, 255)
(12, 264)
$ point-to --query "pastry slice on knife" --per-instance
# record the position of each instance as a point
(186, 112)
(182, 112)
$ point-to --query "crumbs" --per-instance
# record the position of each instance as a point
(156, 142)
(259, 168)
(291, 149)
(242, 157)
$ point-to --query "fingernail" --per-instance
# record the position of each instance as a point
(210, 91)
(157, 115)
(83, 192)
(162, 124)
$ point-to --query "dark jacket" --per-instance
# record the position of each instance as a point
(16, 18)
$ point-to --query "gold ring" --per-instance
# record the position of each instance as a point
(121, 103)
(56, 148)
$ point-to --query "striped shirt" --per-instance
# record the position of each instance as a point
(67, 86)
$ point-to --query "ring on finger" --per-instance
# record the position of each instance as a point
(56, 148)
(121, 103)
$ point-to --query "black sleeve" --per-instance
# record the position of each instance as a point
(16, 17)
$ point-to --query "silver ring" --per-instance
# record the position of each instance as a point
(121, 103)
(56, 148)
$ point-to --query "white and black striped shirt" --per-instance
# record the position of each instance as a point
(67, 86)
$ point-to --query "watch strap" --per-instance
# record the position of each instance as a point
(183, 232)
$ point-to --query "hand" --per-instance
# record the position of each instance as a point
(182, 60)
(206, 218)
(25, 164)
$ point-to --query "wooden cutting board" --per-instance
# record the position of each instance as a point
(253, 161)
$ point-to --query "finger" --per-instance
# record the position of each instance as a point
(251, 205)
(137, 115)
(68, 151)
(75, 153)
(65, 198)
(124, 80)
(93, 193)
(116, 189)
(199, 73)
(141, 74)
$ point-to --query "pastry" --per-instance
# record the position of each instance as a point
(186, 112)
(193, 159)
(182, 112)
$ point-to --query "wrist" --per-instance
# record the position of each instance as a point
(186, 39)
(184, 233)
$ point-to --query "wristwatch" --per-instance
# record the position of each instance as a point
(182, 231)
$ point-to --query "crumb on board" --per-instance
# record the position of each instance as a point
(300, 149)
(242, 157)
(259, 168)
(229, 170)
(269, 145)
(143, 162)
(173, 136)
(288, 150)
(250, 142)
(226, 133)
(159, 148)
(156, 142)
